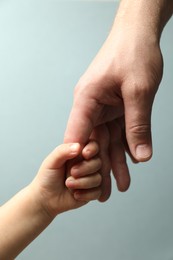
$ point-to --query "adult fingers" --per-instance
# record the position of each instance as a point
(82, 118)
(118, 157)
(92, 106)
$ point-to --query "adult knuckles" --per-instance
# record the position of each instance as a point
(139, 91)
(140, 130)
(84, 83)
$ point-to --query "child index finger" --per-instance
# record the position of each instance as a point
(90, 150)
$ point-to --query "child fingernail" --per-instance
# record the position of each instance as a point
(69, 182)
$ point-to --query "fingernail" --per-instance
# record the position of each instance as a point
(74, 147)
(70, 179)
(69, 183)
(143, 151)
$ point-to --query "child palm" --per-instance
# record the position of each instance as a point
(58, 194)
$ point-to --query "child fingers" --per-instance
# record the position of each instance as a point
(60, 155)
(87, 195)
(88, 182)
(90, 150)
(86, 167)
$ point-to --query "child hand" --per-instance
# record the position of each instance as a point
(84, 174)
(49, 184)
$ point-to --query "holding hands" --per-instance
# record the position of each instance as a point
(112, 105)
(56, 193)
(49, 194)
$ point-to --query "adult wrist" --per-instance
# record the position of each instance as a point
(147, 17)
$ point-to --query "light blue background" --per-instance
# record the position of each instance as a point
(45, 46)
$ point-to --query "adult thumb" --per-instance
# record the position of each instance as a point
(138, 110)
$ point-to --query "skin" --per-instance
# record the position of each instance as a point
(118, 89)
(31, 210)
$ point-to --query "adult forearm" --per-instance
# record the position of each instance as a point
(21, 221)
(149, 16)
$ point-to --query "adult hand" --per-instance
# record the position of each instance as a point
(117, 91)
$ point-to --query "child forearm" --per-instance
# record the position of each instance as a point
(22, 219)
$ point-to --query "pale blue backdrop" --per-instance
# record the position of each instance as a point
(45, 46)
